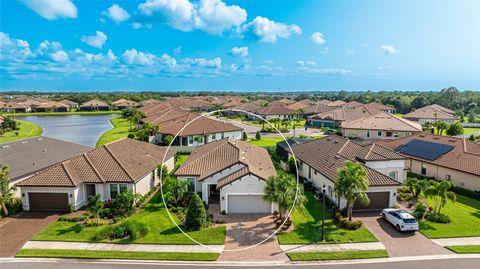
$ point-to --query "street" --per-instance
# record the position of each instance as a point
(437, 262)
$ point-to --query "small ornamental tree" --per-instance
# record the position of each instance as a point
(196, 217)
(258, 136)
(244, 136)
(167, 139)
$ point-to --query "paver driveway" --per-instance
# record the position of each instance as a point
(15, 231)
(399, 244)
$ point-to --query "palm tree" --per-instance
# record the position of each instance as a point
(351, 184)
(281, 189)
(6, 192)
(441, 126)
(440, 192)
(454, 129)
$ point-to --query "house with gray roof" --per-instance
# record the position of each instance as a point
(319, 161)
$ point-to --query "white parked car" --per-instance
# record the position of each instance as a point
(401, 219)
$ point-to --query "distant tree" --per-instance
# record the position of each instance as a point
(471, 116)
(454, 129)
(461, 115)
(351, 184)
(196, 218)
(167, 140)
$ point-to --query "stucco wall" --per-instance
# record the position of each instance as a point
(373, 133)
(248, 185)
(385, 167)
(145, 184)
(460, 179)
(73, 197)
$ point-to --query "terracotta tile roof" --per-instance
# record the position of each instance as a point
(249, 107)
(338, 103)
(214, 157)
(232, 177)
(327, 155)
(343, 114)
(377, 106)
(353, 104)
(68, 102)
(125, 160)
(125, 103)
(52, 104)
(318, 108)
(275, 110)
(172, 121)
(383, 121)
(442, 108)
(94, 103)
(464, 157)
(14, 105)
(150, 101)
(233, 103)
(31, 103)
(430, 112)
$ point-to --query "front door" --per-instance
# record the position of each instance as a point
(90, 189)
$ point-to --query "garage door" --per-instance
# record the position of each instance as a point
(378, 200)
(48, 201)
(248, 204)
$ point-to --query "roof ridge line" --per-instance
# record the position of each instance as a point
(93, 167)
(119, 163)
(68, 173)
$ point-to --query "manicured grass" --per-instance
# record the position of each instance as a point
(308, 225)
(161, 229)
(266, 141)
(465, 216)
(399, 115)
(181, 158)
(337, 255)
(68, 113)
(103, 254)
(465, 249)
(121, 129)
(27, 129)
(470, 130)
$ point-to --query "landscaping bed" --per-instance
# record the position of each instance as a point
(308, 223)
(465, 249)
(103, 254)
(337, 255)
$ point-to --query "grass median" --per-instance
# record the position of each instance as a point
(337, 255)
(465, 249)
(128, 255)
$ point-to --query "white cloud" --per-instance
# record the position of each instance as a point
(388, 49)
(95, 41)
(202, 62)
(52, 9)
(239, 51)
(211, 16)
(137, 57)
(13, 49)
(306, 63)
(116, 13)
(59, 56)
(317, 38)
(267, 30)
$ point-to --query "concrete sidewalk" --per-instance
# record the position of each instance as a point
(457, 241)
(332, 247)
(123, 247)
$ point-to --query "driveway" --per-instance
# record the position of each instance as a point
(245, 230)
(399, 244)
(16, 230)
(251, 130)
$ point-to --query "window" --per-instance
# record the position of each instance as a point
(115, 189)
(388, 134)
(393, 174)
(379, 133)
(368, 133)
(396, 134)
(191, 184)
(190, 140)
(424, 169)
(408, 133)
(448, 177)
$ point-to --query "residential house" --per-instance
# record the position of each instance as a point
(123, 165)
(52, 106)
(94, 105)
(191, 129)
(302, 104)
(441, 157)
(231, 172)
(123, 104)
(432, 113)
(32, 104)
(380, 126)
(317, 109)
(70, 104)
(319, 161)
(149, 102)
(338, 103)
(334, 118)
(15, 107)
(27, 156)
(276, 111)
(381, 107)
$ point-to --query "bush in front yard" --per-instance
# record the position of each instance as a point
(196, 217)
(420, 210)
(344, 223)
(130, 230)
(438, 218)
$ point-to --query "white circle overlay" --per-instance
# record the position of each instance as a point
(296, 189)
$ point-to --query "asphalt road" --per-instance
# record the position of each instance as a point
(437, 263)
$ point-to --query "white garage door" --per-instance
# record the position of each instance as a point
(248, 204)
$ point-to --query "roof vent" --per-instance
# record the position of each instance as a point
(337, 157)
(329, 138)
(44, 150)
(422, 135)
(34, 163)
(436, 138)
(336, 141)
(452, 140)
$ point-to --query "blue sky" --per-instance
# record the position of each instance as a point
(239, 45)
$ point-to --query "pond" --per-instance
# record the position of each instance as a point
(80, 129)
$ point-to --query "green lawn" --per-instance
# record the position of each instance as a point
(181, 158)
(465, 215)
(154, 215)
(337, 255)
(308, 225)
(67, 113)
(465, 249)
(266, 141)
(470, 130)
(400, 115)
(27, 129)
(103, 254)
(121, 129)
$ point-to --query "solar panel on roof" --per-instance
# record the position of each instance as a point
(424, 149)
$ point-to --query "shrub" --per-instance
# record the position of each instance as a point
(404, 196)
(258, 136)
(70, 208)
(95, 222)
(196, 216)
(167, 139)
(244, 136)
(404, 189)
(420, 210)
(344, 223)
(132, 136)
(469, 193)
(72, 219)
(14, 205)
(438, 218)
(124, 202)
(131, 230)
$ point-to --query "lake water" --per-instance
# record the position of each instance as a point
(80, 129)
